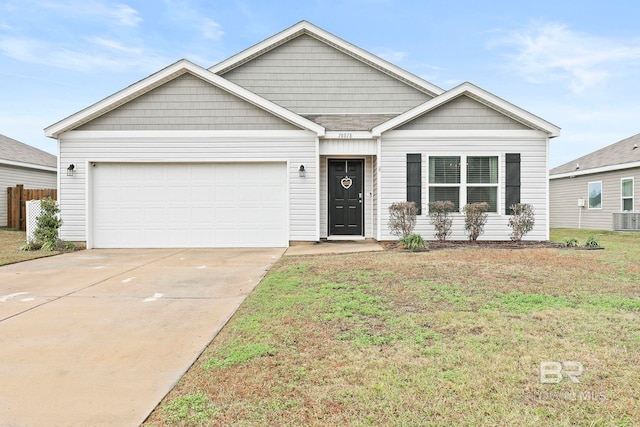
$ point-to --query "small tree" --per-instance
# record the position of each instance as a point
(45, 236)
(439, 215)
(522, 220)
(402, 218)
(475, 217)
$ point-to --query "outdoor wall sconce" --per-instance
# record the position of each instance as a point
(70, 169)
(301, 171)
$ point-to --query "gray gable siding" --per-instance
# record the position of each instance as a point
(308, 76)
(188, 103)
(463, 113)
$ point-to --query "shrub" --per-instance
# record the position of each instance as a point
(402, 218)
(475, 217)
(413, 242)
(439, 214)
(592, 242)
(571, 242)
(522, 220)
(45, 236)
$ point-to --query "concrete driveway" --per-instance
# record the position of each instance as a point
(97, 338)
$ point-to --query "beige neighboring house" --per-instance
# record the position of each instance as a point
(301, 137)
(23, 164)
(599, 190)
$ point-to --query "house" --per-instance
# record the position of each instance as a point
(301, 137)
(592, 190)
(23, 164)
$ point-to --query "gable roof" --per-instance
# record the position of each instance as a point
(479, 95)
(16, 153)
(304, 27)
(620, 155)
(165, 75)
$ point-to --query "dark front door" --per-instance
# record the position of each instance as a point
(346, 197)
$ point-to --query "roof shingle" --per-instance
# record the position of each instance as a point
(619, 153)
(16, 151)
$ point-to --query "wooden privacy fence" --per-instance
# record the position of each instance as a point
(16, 207)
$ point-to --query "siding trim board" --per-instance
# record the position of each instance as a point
(602, 169)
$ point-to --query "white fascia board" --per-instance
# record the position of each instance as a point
(28, 165)
(322, 35)
(172, 135)
(466, 135)
(347, 135)
(601, 169)
(478, 94)
(168, 73)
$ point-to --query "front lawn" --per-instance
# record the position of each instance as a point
(447, 337)
(10, 242)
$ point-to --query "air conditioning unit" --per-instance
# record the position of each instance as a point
(626, 221)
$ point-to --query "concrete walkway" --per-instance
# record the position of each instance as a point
(334, 247)
(97, 338)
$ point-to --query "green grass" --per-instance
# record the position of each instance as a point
(448, 337)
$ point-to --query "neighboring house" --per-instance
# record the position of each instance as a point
(23, 164)
(301, 137)
(589, 191)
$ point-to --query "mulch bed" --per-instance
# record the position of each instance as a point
(486, 244)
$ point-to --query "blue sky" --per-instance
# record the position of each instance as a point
(573, 63)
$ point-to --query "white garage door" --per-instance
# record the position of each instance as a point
(149, 205)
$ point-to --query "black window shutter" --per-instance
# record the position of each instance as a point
(512, 181)
(414, 180)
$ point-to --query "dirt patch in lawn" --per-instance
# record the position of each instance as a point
(10, 243)
(482, 244)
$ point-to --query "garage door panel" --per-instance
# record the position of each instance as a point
(189, 205)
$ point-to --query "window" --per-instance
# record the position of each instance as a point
(627, 194)
(480, 182)
(595, 195)
(444, 179)
(414, 180)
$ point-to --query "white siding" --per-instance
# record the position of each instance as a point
(565, 192)
(10, 176)
(347, 146)
(531, 145)
(295, 147)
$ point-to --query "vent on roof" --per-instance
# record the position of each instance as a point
(626, 221)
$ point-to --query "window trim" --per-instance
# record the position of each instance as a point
(622, 197)
(589, 195)
(463, 185)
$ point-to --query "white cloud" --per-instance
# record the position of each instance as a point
(553, 52)
(119, 14)
(393, 56)
(210, 29)
(180, 10)
(100, 54)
